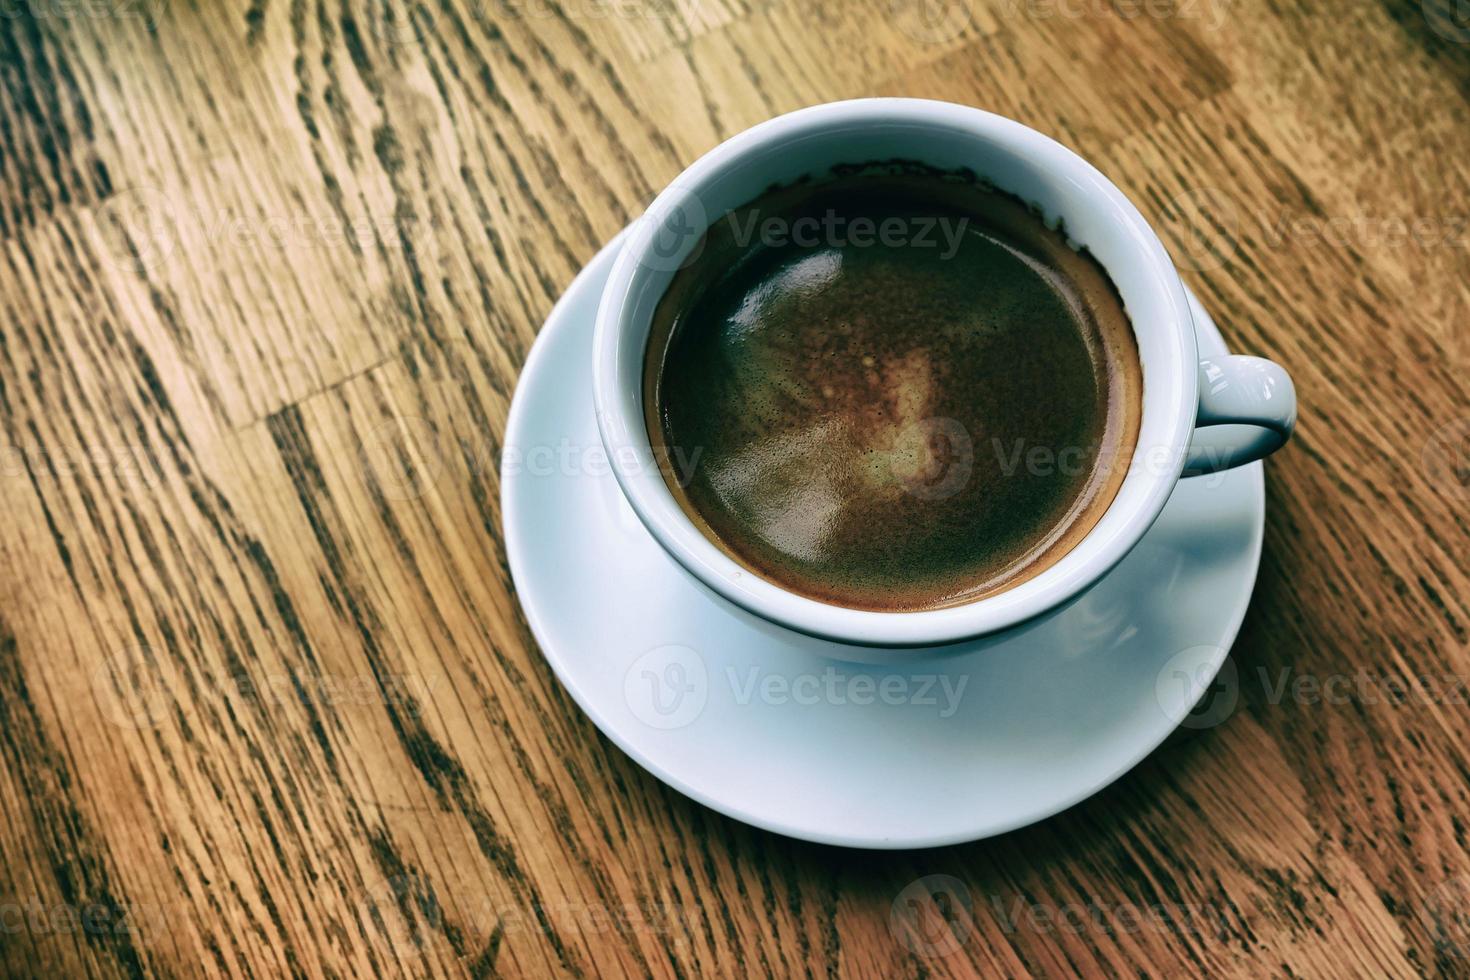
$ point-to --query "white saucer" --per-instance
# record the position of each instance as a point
(766, 729)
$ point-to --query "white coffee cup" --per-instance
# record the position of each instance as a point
(1250, 399)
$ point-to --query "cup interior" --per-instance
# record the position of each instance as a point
(1068, 192)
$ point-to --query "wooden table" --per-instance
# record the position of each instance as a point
(268, 704)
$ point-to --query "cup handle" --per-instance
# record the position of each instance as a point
(1251, 400)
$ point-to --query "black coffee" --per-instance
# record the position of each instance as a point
(892, 391)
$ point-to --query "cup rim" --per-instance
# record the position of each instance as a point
(656, 508)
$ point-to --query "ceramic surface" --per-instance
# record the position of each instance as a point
(760, 724)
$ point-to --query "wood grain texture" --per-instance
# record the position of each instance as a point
(268, 705)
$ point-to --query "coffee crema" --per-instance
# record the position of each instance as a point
(892, 391)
